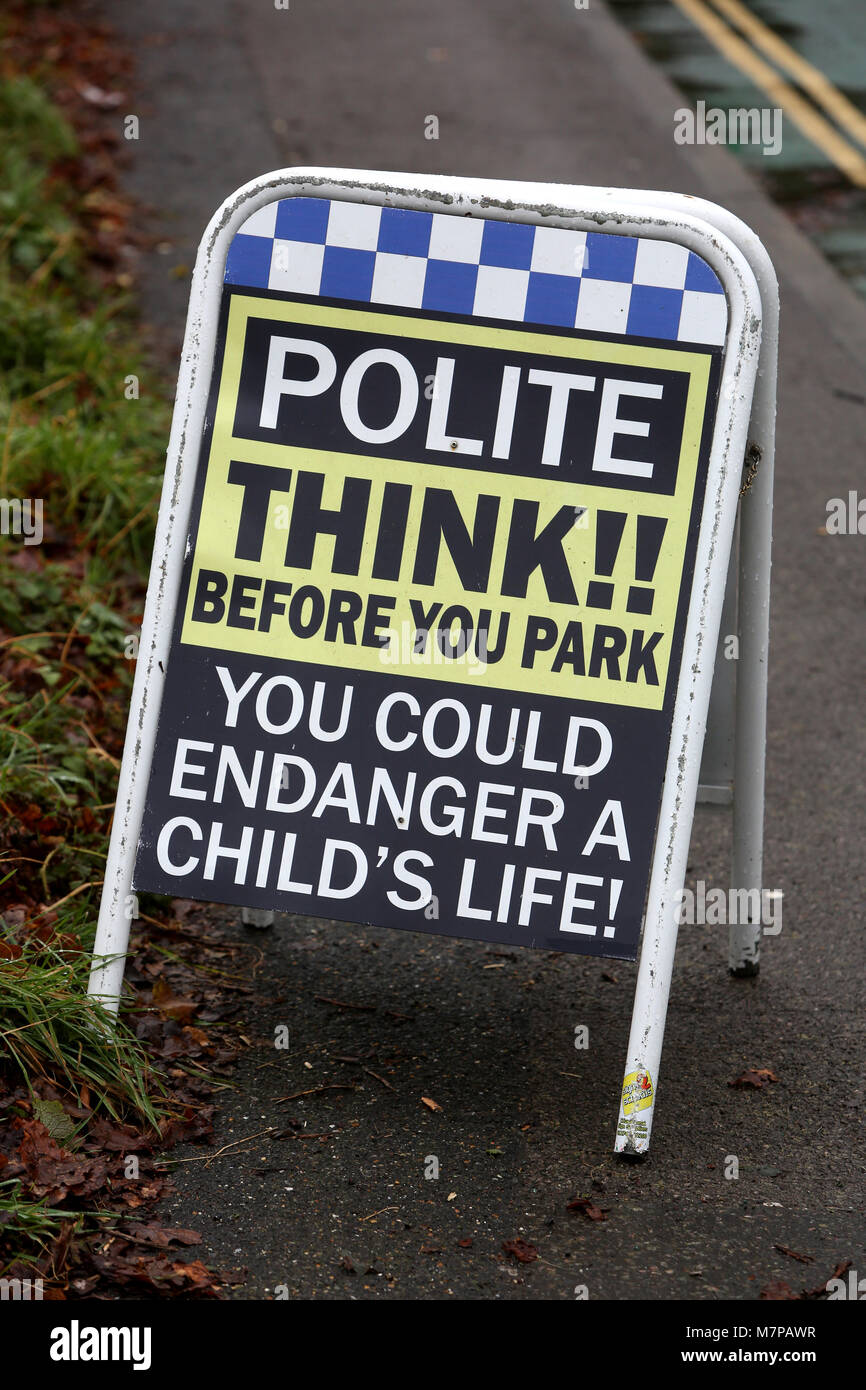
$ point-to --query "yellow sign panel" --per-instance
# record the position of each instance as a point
(613, 652)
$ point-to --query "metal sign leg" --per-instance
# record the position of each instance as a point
(751, 722)
(116, 913)
(756, 535)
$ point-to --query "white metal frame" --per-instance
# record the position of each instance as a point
(740, 262)
(742, 719)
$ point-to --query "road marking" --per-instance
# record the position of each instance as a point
(814, 126)
(810, 78)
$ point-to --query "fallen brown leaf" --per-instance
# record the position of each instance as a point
(53, 1172)
(755, 1077)
(520, 1250)
(587, 1208)
(152, 1233)
(169, 1005)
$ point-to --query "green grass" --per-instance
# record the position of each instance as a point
(69, 434)
(70, 437)
(51, 1031)
(34, 1221)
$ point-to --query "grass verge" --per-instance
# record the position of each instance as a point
(81, 450)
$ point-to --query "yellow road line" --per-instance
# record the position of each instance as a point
(810, 78)
(781, 93)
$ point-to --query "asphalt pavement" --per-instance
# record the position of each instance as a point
(348, 1204)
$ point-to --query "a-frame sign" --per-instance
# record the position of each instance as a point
(440, 566)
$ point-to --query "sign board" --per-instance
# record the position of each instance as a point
(441, 551)
(456, 481)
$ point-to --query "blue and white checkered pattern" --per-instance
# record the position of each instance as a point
(595, 281)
